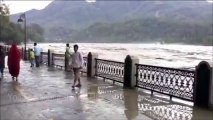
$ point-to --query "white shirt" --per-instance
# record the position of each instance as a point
(37, 50)
(67, 51)
(77, 60)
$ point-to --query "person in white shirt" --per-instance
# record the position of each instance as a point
(37, 51)
(76, 65)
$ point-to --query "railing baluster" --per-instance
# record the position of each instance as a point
(169, 81)
(110, 70)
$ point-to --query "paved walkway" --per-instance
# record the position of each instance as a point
(45, 94)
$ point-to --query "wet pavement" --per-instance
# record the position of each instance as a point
(45, 94)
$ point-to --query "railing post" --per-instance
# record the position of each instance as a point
(211, 88)
(22, 53)
(50, 55)
(135, 60)
(27, 54)
(203, 85)
(91, 64)
(66, 62)
(52, 58)
(127, 72)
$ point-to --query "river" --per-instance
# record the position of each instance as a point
(167, 55)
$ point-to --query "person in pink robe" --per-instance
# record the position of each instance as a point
(14, 58)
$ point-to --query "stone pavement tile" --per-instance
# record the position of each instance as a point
(10, 112)
(10, 94)
(77, 107)
(99, 109)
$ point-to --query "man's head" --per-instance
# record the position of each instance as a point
(67, 45)
(35, 44)
(75, 47)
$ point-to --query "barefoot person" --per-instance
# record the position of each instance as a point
(76, 64)
(14, 58)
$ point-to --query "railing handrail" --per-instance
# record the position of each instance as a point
(58, 54)
(109, 61)
(168, 68)
(44, 53)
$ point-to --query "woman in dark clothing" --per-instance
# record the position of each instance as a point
(2, 61)
(14, 58)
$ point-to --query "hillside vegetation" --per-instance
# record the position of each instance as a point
(126, 21)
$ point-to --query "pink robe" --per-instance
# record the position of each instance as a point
(14, 58)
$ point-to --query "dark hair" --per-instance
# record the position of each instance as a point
(75, 45)
(35, 44)
(31, 49)
(67, 45)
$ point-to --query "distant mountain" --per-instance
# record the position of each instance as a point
(146, 30)
(63, 19)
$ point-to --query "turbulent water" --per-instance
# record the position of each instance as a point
(176, 56)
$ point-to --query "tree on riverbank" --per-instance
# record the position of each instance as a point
(13, 32)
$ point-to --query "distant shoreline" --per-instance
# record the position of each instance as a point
(157, 43)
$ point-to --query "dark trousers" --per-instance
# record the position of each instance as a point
(37, 60)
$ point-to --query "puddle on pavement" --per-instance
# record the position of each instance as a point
(136, 104)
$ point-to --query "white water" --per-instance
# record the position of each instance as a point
(177, 56)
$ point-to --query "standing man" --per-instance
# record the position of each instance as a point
(67, 56)
(37, 51)
(76, 64)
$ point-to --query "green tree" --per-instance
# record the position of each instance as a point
(4, 14)
(4, 20)
(12, 32)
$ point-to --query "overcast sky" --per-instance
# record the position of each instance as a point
(22, 6)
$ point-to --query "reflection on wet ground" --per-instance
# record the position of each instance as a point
(45, 94)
